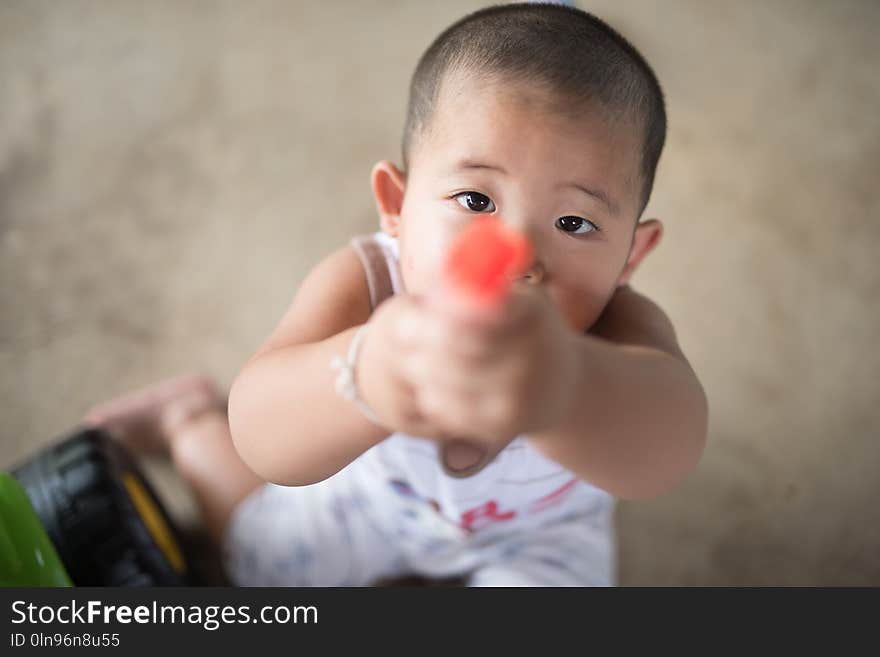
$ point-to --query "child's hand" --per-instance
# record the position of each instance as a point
(381, 379)
(487, 379)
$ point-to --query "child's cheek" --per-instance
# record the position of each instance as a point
(408, 270)
(424, 251)
(424, 265)
(416, 276)
(408, 266)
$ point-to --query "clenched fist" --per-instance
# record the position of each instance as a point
(434, 369)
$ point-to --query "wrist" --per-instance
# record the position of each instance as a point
(348, 382)
(372, 372)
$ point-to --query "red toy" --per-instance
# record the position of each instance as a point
(484, 260)
(480, 267)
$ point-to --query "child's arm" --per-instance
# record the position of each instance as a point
(639, 422)
(287, 421)
(621, 407)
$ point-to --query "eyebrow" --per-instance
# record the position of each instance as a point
(473, 164)
(597, 194)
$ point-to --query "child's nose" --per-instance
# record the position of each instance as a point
(535, 273)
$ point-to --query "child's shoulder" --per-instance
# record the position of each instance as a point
(634, 319)
(333, 297)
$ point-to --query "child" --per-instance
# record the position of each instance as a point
(488, 446)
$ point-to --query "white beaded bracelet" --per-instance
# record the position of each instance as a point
(346, 381)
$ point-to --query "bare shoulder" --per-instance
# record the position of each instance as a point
(632, 318)
(334, 296)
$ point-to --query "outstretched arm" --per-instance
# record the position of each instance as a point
(638, 422)
(287, 422)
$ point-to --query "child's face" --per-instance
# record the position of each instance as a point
(531, 162)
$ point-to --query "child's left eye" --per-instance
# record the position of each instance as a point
(576, 225)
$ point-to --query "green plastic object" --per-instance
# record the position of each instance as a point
(27, 556)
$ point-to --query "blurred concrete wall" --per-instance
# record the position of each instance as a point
(170, 171)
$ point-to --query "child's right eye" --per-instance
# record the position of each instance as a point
(475, 202)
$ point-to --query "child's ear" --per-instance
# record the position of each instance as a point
(388, 184)
(645, 239)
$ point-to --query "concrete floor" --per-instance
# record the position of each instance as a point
(170, 171)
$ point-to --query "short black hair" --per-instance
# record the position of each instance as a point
(579, 57)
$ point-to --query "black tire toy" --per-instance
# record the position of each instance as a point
(103, 517)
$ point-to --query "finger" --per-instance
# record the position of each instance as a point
(462, 307)
(509, 317)
(453, 412)
(414, 422)
(522, 306)
(464, 345)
